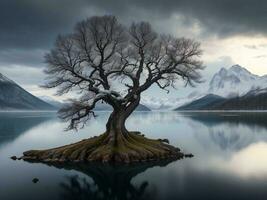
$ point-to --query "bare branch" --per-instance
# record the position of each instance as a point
(101, 51)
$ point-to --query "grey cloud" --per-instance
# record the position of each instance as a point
(216, 65)
(251, 46)
(255, 47)
(32, 25)
(24, 75)
(221, 17)
(260, 56)
(27, 57)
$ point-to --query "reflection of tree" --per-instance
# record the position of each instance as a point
(109, 181)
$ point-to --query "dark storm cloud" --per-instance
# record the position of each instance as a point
(34, 24)
(27, 57)
(222, 17)
(28, 28)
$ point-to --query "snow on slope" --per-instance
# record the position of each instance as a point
(14, 97)
(168, 103)
(227, 83)
(236, 81)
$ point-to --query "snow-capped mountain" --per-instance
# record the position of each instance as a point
(14, 97)
(235, 81)
(99, 106)
(158, 103)
(166, 103)
(237, 89)
(105, 107)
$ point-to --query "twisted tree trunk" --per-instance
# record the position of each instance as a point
(115, 127)
(117, 144)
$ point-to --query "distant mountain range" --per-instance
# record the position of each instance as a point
(229, 89)
(207, 102)
(106, 107)
(235, 81)
(99, 106)
(232, 89)
(249, 101)
(14, 97)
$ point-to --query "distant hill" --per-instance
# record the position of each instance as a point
(207, 102)
(14, 97)
(253, 100)
(99, 106)
(141, 107)
(106, 107)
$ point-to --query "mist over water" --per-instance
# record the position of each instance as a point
(229, 160)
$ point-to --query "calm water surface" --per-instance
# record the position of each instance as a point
(230, 159)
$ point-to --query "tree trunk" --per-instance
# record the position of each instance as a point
(115, 127)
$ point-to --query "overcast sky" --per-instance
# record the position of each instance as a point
(230, 31)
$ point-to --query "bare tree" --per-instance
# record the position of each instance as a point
(106, 61)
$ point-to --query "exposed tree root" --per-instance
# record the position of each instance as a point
(132, 147)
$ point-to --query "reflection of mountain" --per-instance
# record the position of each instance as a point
(109, 181)
(232, 131)
(14, 124)
(154, 117)
(234, 118)
(225, 141)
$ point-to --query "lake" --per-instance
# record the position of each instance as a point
(230, 158)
